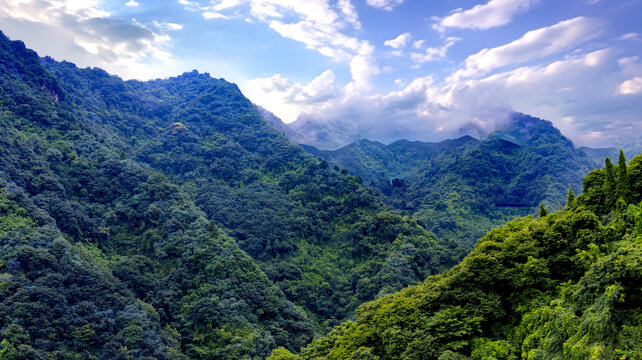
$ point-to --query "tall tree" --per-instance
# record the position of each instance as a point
(623, 182)
(542, 210)
(570, 198)
(610, 187)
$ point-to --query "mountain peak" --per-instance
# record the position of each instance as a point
(523, 129)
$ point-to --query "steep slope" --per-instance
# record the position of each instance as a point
(326, 240)
(464, 187)
(563, 286)
(274, 120)
(169, 185)
(102, 257)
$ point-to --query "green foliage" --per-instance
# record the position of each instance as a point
(563, 286)
(623, 181)
(168, 219)
(459, 189)
(485, 349)
(281, 354)
(103, 257)
(610, 189)
(570, 197)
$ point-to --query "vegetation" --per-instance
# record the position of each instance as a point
(159, 191)
(563, 286)
(168, 220)
(325, 239)
(459, 189)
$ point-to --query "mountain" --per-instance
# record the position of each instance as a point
(563, 286)
(274, 120)
(374, 161)
(461, 188)
(168, 220)
(102, 256)
(327, 134)
(597, 155)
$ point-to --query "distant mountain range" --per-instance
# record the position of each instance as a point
(462, 188)
(334, 135)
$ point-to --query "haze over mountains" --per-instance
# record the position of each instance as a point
(462, 188)
(168, 219)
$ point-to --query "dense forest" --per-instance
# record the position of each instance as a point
(169, 220)
(564, 285)
(460, 189)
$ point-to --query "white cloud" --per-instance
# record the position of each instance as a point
(576, 93)
(434, 53)
(132, 3)
(349, 12)
(322, 25)
(293, 98)
(418, 44)
(81, 31)
(208, 15)
(631, 86)
(362, 68)
(387, 5)
(318, 24)
(481, 17)
(399, 42)
(225, 4)
(192, 5)
(532, 45)
(630, 36)
(168, 25)
(630, 66)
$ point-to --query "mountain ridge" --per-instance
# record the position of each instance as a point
(506, 174)
(169, 220)
(221, 238)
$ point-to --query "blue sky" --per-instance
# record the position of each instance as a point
(418, 69)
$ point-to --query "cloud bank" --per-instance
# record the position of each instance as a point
(81, 31)
(587, 94)
(399, 81)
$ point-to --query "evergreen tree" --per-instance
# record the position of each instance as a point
(623, 182)
(570, 198)
(542, 210)
(610, 190)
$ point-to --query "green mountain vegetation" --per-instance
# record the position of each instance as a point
(565, 285)
(103, 257)
(168, 220)
(460, 189)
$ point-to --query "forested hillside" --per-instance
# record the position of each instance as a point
(104, 258)
(565, 285)
(169, 220)
(323, 237)
(459, 189)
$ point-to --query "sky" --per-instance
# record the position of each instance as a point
(419, 69)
